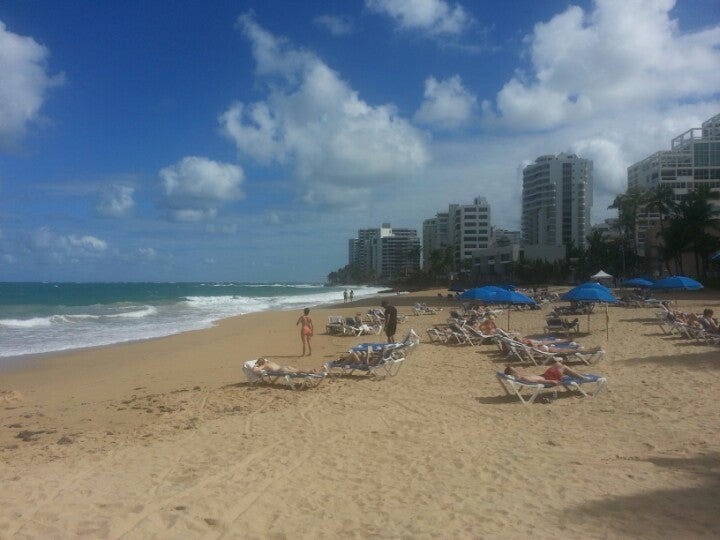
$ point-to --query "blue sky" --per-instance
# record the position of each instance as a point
(199, 141)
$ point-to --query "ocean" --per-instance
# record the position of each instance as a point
(49, 317)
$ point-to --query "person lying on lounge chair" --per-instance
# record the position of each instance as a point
(706, 321)
(359, 358)
(552, 376)
(263, 364)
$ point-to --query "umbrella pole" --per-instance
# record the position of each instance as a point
(509, 317)
(588, 321)
(607, 323)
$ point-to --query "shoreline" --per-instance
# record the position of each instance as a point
(8, 363)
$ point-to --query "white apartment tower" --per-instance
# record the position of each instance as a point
(468, 229)
(556, 201)
(693, 160)
(435, 236)
(390, 252)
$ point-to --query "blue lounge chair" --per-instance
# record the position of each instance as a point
(515, 386)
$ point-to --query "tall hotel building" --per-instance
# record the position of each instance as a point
(435, 236)
(465, 227)
(389, 252)
(693, 160)
(556, 201)
(469, 228)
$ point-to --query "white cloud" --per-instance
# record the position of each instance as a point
(45, 242)
(622, 54)
(337, 26)
(609, 162)
(436, 17)
(196, 186)
(448, 104)
(147, 252)
(87, 243)
(24, 83)
(315, 124)
(115, 201)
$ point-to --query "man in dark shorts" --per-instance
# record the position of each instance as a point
(390, 320)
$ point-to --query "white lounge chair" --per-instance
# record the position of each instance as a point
(515, 386)
(385, 359)
(296, 381)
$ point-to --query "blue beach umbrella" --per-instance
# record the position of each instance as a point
(476, 293)
(504, 296)
(637, 282)
(677, 282)
(592, 285)
(590, 294)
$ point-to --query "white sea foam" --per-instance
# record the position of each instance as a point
(34, 322)
(105, 324)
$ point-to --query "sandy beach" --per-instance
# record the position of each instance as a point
(166, 439)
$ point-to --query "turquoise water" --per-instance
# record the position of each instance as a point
(48, 317)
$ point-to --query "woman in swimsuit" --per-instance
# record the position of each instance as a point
(306, 330)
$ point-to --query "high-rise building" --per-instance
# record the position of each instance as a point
(693, 160)
(435, 236)
(556, 201)
(389, 252)
(469, 229)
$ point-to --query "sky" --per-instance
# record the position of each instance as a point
(250, 140)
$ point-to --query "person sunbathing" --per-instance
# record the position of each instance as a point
(359, 358)
(487, 326)
(708, 322)
(263, 364)
(548, 343)
(552, 376)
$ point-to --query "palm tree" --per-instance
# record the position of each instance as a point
(661, 199)
(688, 231)
(698, 215)
(628, 204)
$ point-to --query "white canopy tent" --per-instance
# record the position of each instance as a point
(601, 275)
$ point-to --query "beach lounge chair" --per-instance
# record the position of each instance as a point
(515, 386)
(560, 325)
(295, 381)
(386, 358)
(352, 327)
(422, 309)
(386, 363)
(335, 324)
(589, 357)
(438, 333)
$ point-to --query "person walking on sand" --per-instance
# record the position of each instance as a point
(390, 323)
(306, 330)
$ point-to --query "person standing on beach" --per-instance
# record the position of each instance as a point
(306, 330)
(390, 320)
(345, 296)
(352, 294)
